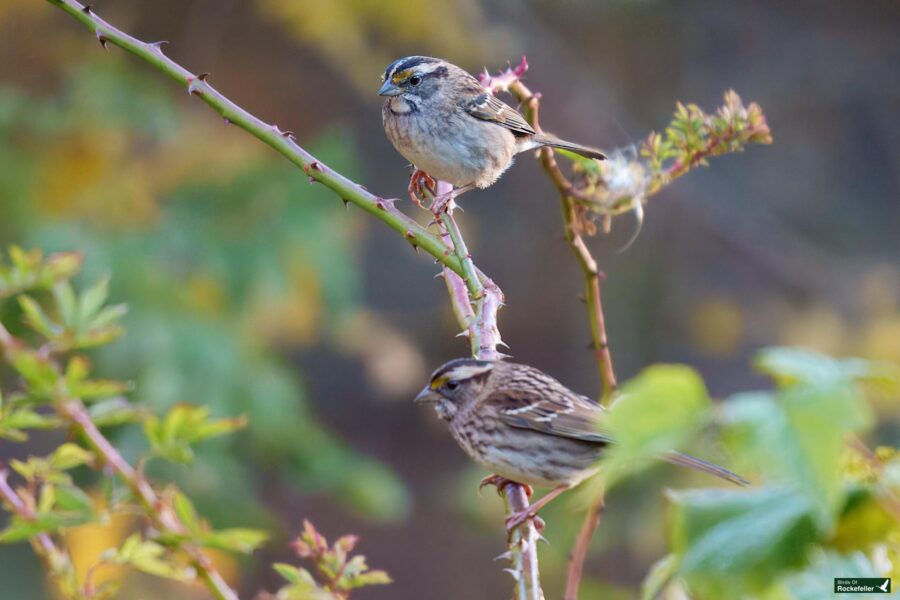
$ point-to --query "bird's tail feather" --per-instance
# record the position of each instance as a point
(542, 139)
(686, 460)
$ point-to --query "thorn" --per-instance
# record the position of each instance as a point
(464, 333)
(287, 133)
(439, 275)
(346, 202)
(362, 187)
(102, 39)
(313, 179)
(227, 121)
(508, 555)
(520, 69)
(87, 9)
(202, 76)
(158, 45)
(515, 575)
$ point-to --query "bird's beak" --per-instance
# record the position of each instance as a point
(426, 396)
(389, 89)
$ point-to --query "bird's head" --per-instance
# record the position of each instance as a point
(454, 383)
(409, 81)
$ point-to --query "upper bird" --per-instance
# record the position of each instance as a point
(441, 119)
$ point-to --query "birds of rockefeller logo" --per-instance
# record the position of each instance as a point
(862, 585)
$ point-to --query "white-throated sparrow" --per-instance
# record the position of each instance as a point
(441, 119)
(527, 427)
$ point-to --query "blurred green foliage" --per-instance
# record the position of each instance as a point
(224, 252)
(824, 505)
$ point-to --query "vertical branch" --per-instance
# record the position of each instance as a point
(573, 221)
(574, 226)
(476, 300)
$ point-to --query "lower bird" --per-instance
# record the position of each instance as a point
(527, 427)
(442, 120)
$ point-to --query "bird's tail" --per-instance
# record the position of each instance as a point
(543, 139)
(686, 460)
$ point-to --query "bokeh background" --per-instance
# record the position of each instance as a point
(254, 292)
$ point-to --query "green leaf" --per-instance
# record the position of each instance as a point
(20, 529)
(793, 366)
(235, 539)
(732, 542)
(115, 411)
(69, 456)
(186, 424)
(36, 318)
(295, 575)
(797, 436)
(660, 574)
(66, 303)
(73, 499)
(152, 558)
(92, 300)
(658, 411)
(186, 512)
(816, 581)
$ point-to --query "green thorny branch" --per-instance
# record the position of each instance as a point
(50, 501)
(475, 298)
(608, 188)
(621, 183)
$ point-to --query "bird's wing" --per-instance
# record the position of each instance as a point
(563, 415)
(488, 108)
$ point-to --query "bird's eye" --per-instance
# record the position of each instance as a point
(452, 384)
(415, 80)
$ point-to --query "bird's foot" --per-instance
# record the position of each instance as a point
(518, 518)
(419, 183)
(443, 203)
(500, 482)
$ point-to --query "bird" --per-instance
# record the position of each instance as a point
(442, 120)
(526, 427)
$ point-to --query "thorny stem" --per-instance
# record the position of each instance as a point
(42, 543)
(282, 141)
(162, 517)
(599, 343)
(476, 299)
(571, 217)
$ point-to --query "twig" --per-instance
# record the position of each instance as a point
(476, 300)
(282, 141)
(571, 217)
(162, 517)
(43, 544)
(599, 343)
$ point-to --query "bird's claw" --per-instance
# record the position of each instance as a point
(499, 482)
(516, 519)
(416, 188)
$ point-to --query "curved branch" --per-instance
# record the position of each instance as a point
(282, 141)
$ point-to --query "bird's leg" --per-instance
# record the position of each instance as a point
(516, 519)
(415, 186)
(442, 203)
(500, 481)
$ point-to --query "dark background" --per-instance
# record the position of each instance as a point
(791, 244)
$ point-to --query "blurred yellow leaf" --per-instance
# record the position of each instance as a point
(717, 326)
